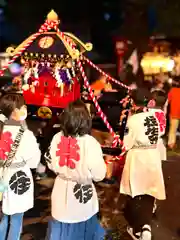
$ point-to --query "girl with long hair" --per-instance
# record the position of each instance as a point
(77, 159)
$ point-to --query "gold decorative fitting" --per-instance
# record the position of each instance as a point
(75, 54)
(10, 51)
(69, 64)
(44, 112)
(52, 16)
(88, 47)
(22, 61)
(14, 51)
(85, 46)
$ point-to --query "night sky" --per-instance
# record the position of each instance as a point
(85, 18)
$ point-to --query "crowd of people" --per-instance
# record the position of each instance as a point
(75, 156)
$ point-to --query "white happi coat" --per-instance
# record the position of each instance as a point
(19, 196)
(161, 145)
(74, 198)
(142, 172)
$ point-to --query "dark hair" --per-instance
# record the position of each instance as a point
(175, 82)
(160, 98)
(140, 96)
(8, 103)
(75, 119)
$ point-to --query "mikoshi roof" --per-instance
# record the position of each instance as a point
(51, 43)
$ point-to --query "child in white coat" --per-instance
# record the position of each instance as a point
(18, 197)
(142, 178)
(77, 159)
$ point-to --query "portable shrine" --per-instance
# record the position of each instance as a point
(50, 76)
(53, 65)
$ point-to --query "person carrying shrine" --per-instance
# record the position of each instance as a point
(142, 178)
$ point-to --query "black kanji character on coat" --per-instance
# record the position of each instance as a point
(151, 125)
(83, 193)
(20, 183)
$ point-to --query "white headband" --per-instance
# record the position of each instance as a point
(3, 118)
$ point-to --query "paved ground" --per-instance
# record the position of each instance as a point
(166, 224)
